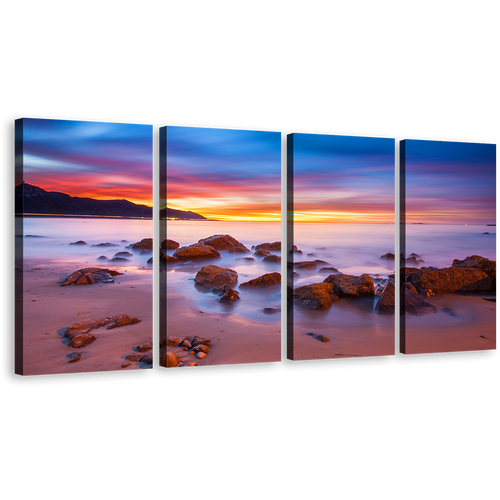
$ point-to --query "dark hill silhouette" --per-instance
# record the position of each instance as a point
(38, 201)
(179, 214)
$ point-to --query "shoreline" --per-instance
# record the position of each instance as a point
(234, 339)
(50, 309)
(64, 216)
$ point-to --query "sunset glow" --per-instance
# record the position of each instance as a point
(231, 175)
(104, 161)
(450, 182)
(343, 179)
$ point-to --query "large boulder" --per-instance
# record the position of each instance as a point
(345, 284)
(316, 296)
(223, 242)
(272, 259)
(198, 251)
(262, 253)
(90, 275)
(482, 263)
(487, 284)
(415, 305)
(167, 260)
(306, 264)
(266, 281)
(430, 282)
(388, 256)
(385, 305)
(215, 277)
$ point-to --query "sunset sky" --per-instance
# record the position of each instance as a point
(224, 174)
(343, 179)
(450, 182)
(90, 159)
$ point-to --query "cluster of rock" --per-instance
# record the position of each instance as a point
(219, 280)
(194, 346)
(210, 248)
(475, 274)
(144, 247)
(79, 336)
(79, 333)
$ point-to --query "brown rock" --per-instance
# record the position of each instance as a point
(223, 242)
(123, 254)
(262, 253)
(482, 263)
(345, 284)
(272, 259)
(271, 310)
(329, 270)
(198, 251)
(169, 245)
(168, 260)
(215, 277)
(135, 358)
(199, 341)
(80, 242)
(318, 336)
(273, 247)
(106, 245)
(388, 256)
(448, 280)
(81, 340)
(145, 347)
(125, 365)
(202, 348)
(74, 357)
(169, 360)
(386, 302)
(239, 250)
(487, 284)
(250, 259)
(305, 265)
(144, 244)
(119, 259)
(147, 359)
(295, 250)
(316, 296)
(84, 327)
(121, 320)
(414, 305)
(91, 275)
(410, 287)
(228, 295)
(266, 281)
(173, 340)
(200, 355)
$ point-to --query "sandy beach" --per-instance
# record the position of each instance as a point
(461, 323)
(50, 309)
(234, 339)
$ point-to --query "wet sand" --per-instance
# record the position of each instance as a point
(50, 309)
(471, 328)
(234, 339)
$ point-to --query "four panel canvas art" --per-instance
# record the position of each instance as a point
(85, 255)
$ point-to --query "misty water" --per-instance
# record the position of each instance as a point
(351, 248)
(47, 240)
(180, 278)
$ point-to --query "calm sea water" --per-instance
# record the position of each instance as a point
(440, 244)
(180, 277)
(49, 239)
(350, 248)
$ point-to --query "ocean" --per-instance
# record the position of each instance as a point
(350, 248)
(47, 240)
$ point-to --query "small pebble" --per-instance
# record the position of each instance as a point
(125, 365)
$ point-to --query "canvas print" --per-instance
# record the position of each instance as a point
(83, 199)
(220, 246)
(448, 246)
(341, 240)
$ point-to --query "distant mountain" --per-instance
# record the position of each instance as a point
(179, 214)
(38, 201)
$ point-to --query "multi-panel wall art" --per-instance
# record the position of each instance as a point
(85, 253)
